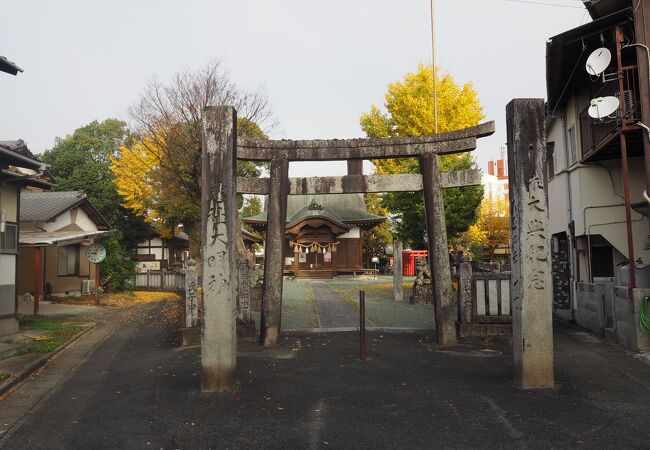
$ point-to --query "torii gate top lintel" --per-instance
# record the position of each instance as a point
(458, 141)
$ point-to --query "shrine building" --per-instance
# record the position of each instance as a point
(323, 234)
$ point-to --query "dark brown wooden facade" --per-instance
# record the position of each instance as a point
(323, 234)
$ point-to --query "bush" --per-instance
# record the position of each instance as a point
(117, 270)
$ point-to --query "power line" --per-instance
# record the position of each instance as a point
(545, 4)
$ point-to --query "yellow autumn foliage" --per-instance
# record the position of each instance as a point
(134, 171)
(492, 229)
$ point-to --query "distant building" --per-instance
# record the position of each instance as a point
(495, 181)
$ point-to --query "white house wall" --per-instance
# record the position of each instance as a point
(61, 221)
(8, 202)
(7, 284)
(85, 222)
(596, 192)
(559, 216)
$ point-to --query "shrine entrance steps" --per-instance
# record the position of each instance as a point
(320, 274)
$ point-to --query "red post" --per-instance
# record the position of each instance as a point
(97, 280)
(362, 325)
(38, 281)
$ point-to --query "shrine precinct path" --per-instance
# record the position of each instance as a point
(334, 304)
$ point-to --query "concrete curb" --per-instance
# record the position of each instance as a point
(40, 362)
(394, 330)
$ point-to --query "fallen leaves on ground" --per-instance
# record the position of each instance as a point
(121, 299)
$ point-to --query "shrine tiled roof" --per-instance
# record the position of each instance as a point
(315, 210)
(346, 208)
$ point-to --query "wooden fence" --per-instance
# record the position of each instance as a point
(159, 280)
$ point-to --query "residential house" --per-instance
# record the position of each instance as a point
(596, 167)
(495, 181)
(18, 169)
(56, 228)
(159, 253)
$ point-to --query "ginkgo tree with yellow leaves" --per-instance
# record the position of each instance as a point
(489, 237)
(409, 111)
(159, 172)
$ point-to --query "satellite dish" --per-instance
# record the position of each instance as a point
(598, 61)
(601, 107)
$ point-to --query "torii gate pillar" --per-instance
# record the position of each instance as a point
(443, 300)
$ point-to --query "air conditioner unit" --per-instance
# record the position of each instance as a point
(87, 286)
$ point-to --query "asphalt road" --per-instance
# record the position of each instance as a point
(140, 390)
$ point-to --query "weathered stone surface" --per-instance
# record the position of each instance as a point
(530, 286)
(339, 149)
(191, 295)
(218, 238)
(256, 298)
(359, 183)
(422, 271)
(465, 289)
(398, 293)
(274, 253)
(443, 300)
(191, 336)
(244, 297)
(355, 166)
(460, 178)
(422, 294)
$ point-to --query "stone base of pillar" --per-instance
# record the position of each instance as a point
(422, 294)
(245, 330)
(191, 336)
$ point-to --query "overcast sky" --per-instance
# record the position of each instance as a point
(322, 63)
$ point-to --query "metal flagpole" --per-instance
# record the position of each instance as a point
(433, 54)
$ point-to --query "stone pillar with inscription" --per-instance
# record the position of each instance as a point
(245, 324)
(191, 332)
(465, 290)
(530, 284)
(218, 239)
(398, 289)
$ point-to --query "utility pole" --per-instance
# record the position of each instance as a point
(433, 57)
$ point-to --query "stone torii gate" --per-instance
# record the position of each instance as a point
(220, 228)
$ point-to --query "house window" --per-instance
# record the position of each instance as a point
(68, 260)
(9, 238)
(571, 143)
(550, 160)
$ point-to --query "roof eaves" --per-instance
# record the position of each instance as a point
(8, 66)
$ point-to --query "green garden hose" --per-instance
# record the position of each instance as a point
(644, 321)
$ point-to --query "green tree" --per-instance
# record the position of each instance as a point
(80, 162)
(375, 240)
(251, 207)
(409, 112)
